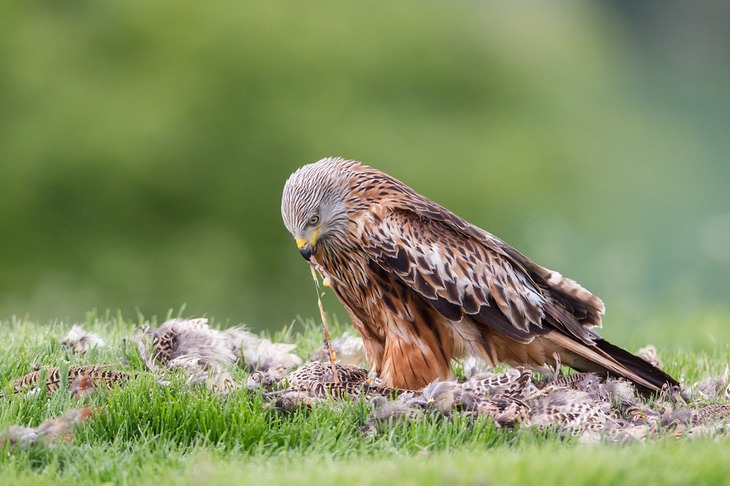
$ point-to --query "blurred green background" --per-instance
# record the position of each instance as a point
(144, 146)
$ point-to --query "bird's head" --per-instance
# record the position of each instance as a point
(313, 204)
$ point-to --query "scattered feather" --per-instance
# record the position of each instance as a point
(49, 433)
(650, 354)
(714, 389)
(97, 373)
(439, 396)
(205, 355)
(348, 349)
(79, 341)
(263, 355)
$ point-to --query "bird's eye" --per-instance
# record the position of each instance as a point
(314, 220)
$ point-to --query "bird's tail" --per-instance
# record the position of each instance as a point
(606, 358)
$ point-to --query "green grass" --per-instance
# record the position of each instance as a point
(143, 433)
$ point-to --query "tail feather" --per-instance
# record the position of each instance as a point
(606, 358)
(639, 366)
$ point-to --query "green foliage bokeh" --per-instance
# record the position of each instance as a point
(144, 146)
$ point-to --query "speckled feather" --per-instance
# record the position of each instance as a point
(99, 374)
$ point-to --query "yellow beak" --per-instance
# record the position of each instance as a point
(302, 243)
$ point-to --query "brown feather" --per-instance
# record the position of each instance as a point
(423, 286)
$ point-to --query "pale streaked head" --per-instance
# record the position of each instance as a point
(313, 204)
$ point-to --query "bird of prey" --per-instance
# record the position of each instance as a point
(424, 286)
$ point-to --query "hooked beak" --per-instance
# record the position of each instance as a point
(305, 247)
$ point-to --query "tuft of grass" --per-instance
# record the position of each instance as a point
(144, 433)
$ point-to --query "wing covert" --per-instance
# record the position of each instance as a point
(457, 275)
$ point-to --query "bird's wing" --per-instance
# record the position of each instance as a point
(460, 273)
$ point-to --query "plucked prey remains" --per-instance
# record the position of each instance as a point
(423, 286)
